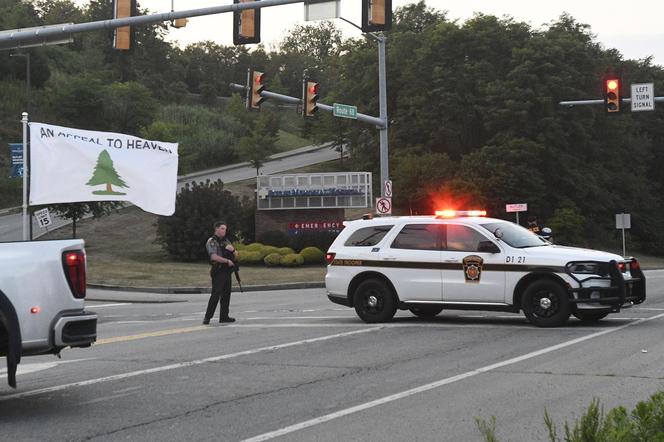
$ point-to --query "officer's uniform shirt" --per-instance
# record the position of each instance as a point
(216, 245)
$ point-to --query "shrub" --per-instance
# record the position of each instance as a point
(197, 208)
(645, 422)
(239, 246)
(254, 247)
(285, 251)
(268, 250)
(274, 237)
(322, 240)
(249, 257)
(272, 259)
(292, 260)
(313, 255)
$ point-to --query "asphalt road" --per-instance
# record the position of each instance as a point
(11, 227)
(296, 367)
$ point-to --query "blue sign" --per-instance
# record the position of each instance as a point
(16, 154)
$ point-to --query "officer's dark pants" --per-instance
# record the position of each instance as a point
(221, 293)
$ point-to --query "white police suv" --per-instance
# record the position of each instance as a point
(427, 264)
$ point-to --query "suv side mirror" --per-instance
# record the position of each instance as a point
(487, 247)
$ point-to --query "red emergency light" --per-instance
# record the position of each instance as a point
(455, 213)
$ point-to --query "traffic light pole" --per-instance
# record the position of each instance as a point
(295, 100)
(15, 38)
(590, 102)
(382, 98)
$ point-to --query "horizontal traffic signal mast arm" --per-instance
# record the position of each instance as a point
(18, 36)
(587, 102)
(294, 100)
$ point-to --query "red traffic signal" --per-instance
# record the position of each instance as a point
(257, 87)
(311, 98)
(612, 94)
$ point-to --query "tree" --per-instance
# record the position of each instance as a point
(77, 211)
(198, 206)
(105, 173)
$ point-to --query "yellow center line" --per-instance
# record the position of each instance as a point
(170, 331)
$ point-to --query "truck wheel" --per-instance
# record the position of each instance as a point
(425, 311)
(546, 304)
(374, 301)
(591, 316)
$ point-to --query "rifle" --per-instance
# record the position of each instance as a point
(236, 268)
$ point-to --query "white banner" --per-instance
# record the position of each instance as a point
(72, 165)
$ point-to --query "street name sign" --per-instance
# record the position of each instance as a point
(345, 111)
(643, 97)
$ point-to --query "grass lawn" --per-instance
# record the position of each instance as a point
(121, 250)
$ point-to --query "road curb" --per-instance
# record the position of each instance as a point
(194, 290)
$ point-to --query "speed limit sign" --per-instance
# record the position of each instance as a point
(384, 206)
(43, 218)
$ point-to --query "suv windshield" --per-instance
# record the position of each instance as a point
(515, 235)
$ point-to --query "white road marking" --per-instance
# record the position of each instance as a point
(440, 383)
(648, 308)
(93, 306)
(39, 366)
(180, 365)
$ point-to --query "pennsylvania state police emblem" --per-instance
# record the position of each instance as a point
(472, 268)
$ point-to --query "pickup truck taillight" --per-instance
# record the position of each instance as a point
(73, 262)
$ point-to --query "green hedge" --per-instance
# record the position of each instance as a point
(272, 260)
(291, 260)
(285, 251)
(313, 255)
(249, 257)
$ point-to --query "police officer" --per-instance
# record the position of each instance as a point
(534, 226)
(222, 254)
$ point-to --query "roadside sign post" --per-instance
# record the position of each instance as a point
(384, 206)
(643, 97)
(521, 207)
(387, 189)
(43, 218)
(623, 221)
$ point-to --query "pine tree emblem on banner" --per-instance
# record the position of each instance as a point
(105, 173)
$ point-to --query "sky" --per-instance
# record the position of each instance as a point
(631, 27)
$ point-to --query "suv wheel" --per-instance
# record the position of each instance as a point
(546, 304)
(425, 311)
(374, 301)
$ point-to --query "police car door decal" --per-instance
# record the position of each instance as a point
(472, 268)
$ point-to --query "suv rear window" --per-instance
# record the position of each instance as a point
(367, 236)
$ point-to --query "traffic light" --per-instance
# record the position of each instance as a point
(246, 25)
(612, 95)
(180, 22)
(257, 87)
(310, 106)
(376, 15)
(122, 36)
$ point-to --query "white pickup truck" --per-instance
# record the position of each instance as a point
(42, 291)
